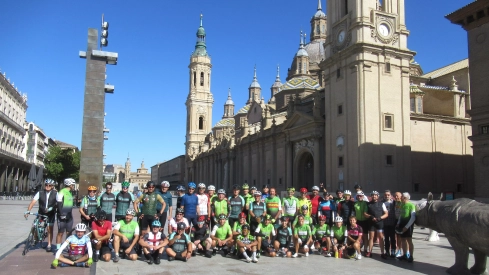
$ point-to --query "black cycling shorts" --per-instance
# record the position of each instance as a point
(376, 226)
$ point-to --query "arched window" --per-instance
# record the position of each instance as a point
(317, 29)
(195, 79)
(300, 67)
(201, 79)
(201, 123)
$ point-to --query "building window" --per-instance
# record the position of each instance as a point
(344, 7)
(460, 188)
(317, 29)
(388, 67)
(338, 73)
(254, 182)
(268, 182)
(388, 122)
(419, 105)
(201, 79)
(340, 161)
(416, 187)
(195, 79)
(389, 160)
(412, 102)
(484, 129)
(280, 181)
(300, 67)
(340, 109)
(201, 123)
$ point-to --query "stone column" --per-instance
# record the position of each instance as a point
(3, 172)
(289, 163)
(231, 169)
(316, 158)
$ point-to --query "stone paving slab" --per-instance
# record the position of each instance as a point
(429, 257)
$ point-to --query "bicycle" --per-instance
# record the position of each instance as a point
(38, 232)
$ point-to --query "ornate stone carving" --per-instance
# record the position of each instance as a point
(305, 143)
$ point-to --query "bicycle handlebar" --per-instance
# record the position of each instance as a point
(37, 215)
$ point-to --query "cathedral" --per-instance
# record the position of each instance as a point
(355, 108)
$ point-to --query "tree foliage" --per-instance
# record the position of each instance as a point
(61, 164)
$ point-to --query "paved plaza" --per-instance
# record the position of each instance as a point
(429, 258)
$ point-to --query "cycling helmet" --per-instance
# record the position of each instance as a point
(315, 188)
(222, 217)
(360, 193)
(49, 182)
(236, 187)
(211, 188)
(322, 218)
(131, 212)
(180, 188)
(69, 181)
(92, 188)
(245, 226)
(357, 186)
(347, 192)
(303, 190)
(374, 193)
(291, 189)
(304, 207)
(156, 223)
(201, 220)
(268, 217)
(125, 184)
(242, 215)
(150, 183)
(180, 210)
(81, 227)
(253, 188)
(221, 191)
(201, 185)
(181, 226)
(191, 185)
(338, 219)
(257, 193)
(100, 215)
(266, 186)
(165, 184)
(245, 186)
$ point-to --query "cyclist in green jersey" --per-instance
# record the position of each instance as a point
(282, 240)
(273, 205)
(339, 236)
(290, 204)
(179, 245)
(246, 196)
(220, 206)
(247, 244)
(321, 235)
(404, 228)
(222, 236)
(126, 235)
(360, 209)
(305, 214)
(89, 206)
(265, 233)
(148, 210)
(257, 211)
(64, 199)
(237, 228)
(302, 237)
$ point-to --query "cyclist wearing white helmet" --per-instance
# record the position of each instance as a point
(339, 236)
(204, 204)
(65, 206)
(79, 250)
(167, 196)
(345, 207)
(126, 235)
(220, 206)
(190, 201)
(47, 206)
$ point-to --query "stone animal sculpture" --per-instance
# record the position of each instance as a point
(433, 235)
(465, 224)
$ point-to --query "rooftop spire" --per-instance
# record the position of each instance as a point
(200, 47)
(230, 100)
(278, 73)
(319, 5)
(255, 83)
(201, 15)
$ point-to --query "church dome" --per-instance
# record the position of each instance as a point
(319, 14)
(315, 51)
(302, 52)
(201, 31)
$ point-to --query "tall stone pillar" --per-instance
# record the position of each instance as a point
(289, 163)
(3, 171)
(316, 158)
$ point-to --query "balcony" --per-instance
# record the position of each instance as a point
(4, 152)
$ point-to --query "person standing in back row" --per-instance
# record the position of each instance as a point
(107, 201)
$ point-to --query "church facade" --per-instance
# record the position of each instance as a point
(355, 109)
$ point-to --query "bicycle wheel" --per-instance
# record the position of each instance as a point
(42, 236)
(28, 243)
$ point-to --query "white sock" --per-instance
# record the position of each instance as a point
(245, 255)
(254, 254)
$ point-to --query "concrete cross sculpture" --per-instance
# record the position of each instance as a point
(465, 224)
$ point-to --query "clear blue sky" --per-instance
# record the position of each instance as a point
(146, 116)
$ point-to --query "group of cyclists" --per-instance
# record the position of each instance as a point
(246, 225)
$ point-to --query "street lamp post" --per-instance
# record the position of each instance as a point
(91, 159)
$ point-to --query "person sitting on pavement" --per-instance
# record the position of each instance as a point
(153, 243)
(148, 209)
(302, 237)
(246, 244)
(172, 227)
(283, 236)
(123, 200)
(321, 236)
(222, 236)
(376, 214)
(89, 206)
(101, 233)
(107, 201)
(179, 245)
(303, 200)
(256, 211)
(64, 198)
(290, 204)
(354, 237)
(265, 233)
(200, 238)
(79, 250)
(126, 235)
(315, 199)
(339, 236)
(237, 228)
(47, 207)
(305, 215)
(327, 208)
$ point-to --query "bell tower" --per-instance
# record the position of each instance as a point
(199, 100)
(366, 73)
